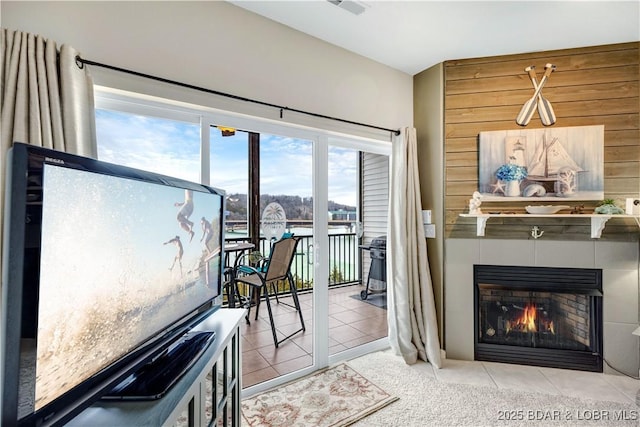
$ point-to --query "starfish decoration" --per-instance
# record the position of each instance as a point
(498, 186)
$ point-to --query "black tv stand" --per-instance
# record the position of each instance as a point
(152, 380)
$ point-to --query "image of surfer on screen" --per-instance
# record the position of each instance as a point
(207, 233)
(186, 209)
(179, 253)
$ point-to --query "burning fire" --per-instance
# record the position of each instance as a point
(529, 322)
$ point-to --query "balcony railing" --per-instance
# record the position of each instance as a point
(344, 260)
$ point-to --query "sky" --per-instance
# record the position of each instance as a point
(172, 148)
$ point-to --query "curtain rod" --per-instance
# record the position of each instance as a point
(80, 62)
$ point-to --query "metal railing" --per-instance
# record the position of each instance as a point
(344, 260)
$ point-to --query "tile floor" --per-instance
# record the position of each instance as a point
(352, 322)
(585, 385)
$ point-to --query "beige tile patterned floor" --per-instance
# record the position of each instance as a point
(566, 382)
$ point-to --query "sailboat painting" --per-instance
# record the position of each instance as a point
(563, 163)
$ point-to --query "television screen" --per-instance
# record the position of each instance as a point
(107, 266)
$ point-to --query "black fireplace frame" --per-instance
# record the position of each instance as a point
(548, 279)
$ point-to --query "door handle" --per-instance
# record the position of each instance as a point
(311, 254)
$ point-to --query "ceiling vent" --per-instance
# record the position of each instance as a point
(352, 6)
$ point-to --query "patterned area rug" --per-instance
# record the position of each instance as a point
(338, 396)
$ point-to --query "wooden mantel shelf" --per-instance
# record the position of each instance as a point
(597, 221)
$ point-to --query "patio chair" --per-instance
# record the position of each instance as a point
(259, 263)
(267, 273)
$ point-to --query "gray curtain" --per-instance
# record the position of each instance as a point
(46, 99)
(413, 328)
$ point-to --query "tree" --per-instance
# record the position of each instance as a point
(295, 207)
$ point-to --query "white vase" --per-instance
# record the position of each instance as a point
(512, 188)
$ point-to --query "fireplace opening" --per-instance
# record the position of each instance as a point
(539, 316)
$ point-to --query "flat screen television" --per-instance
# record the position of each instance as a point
(105, 268)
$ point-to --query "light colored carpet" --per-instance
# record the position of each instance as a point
(334, 397)
(425, 401)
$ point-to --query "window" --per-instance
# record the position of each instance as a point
(195, 144)
(230, 161)
(155, 144)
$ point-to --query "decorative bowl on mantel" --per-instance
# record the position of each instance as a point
(545, 209)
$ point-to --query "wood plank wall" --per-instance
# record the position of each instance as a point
(591, 86)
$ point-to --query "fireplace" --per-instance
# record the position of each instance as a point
(539, 316)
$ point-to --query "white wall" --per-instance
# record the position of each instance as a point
(219, 46)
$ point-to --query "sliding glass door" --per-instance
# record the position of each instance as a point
(358, 204)
(350, 184)
(334, 193)
(334, 196)
(261, 172)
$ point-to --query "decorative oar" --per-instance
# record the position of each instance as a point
(545, 110)
(529, 107)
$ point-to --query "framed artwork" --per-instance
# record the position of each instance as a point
(542, 164)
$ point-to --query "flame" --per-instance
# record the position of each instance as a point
(529, 322)
(528, 319)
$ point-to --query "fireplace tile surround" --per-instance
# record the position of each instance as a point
(619, 264)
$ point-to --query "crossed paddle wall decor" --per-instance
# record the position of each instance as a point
(545, 110)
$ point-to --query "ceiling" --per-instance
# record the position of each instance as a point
(411, 36)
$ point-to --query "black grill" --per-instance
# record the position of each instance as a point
(377, 278)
